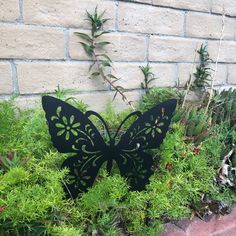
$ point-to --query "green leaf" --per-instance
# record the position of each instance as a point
(150, 80)
(106, 64)
(102, 33)
(96, 73)
(105, 56)
(88, 48)
(112, 76)
(84, 36)
(102, 44)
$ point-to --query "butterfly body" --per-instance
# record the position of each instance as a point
(73, 132)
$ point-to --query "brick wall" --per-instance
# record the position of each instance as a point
(38, 49)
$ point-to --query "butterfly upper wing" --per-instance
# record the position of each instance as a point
(147, 132)
(72, 132)
(66, 124)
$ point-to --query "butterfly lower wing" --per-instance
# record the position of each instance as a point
(136, 167)
(82, 173)
(147, 132)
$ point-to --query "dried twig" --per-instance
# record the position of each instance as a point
(190, 78)
(216, 64)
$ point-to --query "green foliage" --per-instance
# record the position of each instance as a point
(196, 124)
(7, 121)
(158, 95)
(190, 175)
(93, 45)
(31, 192)
(148, 77)
(64, 230)
(202, 76)
(9, 161)
(223, 107)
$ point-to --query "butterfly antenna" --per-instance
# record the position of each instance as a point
(137, 113)
(89, 113)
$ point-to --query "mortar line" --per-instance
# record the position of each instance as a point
(179, 9)
(21, 6)
(14, 77)
(67, 44)
(81, 62)
(38, 95)
(184, 26)
(177, 79)
(147, 43)
(211, 3)
(117, 16)
(227, 75)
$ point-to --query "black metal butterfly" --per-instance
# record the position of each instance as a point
(72, 132)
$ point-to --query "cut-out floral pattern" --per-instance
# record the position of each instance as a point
(66, 127)
(154, 127)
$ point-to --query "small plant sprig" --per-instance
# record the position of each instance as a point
(92, 45)
(201, 79)
(148, 77)
(203, 71)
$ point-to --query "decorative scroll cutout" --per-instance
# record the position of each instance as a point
(73, 132)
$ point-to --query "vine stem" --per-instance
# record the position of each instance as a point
(111, 84)
(190, 78)
(216, 64)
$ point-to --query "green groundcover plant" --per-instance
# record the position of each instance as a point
(32, 200)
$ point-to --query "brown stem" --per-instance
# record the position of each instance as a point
(111, 84)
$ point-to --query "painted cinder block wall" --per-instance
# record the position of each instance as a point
(38, 49)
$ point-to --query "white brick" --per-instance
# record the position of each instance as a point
(6, 86)
(232, 74)
(31, 102)
(199, 5)
(168, 49)
(148, 19)
(227, 51)
(133, 96)
(130, 75)
(166, 74)
(227, 6)
(69, 13)
(98, 101)
(29, 42)
(185, 69)
(208, 26)
(9, 10)
(44, 77)
(122, 48)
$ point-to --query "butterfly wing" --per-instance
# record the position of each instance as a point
(72, 132)
(147, 132)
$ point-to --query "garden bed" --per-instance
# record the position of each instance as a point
(193, 172)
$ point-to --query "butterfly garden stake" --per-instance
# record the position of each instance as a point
(73, 132)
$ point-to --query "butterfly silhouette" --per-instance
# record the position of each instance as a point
(73, 132)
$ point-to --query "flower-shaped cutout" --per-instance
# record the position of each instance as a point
(68, 127)
(154, 127)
